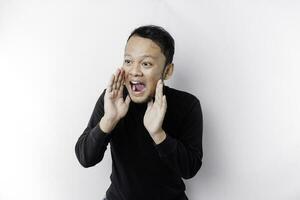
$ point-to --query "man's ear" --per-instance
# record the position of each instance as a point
(168, 71)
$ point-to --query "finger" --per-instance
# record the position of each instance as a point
(119, 78)
(157, 92)
(123, 77)
(120, 91)
(161, 91)
(127, 100)
(164, 103)
(116, 79)
(114, 87)
(110, 83)
(149, 105)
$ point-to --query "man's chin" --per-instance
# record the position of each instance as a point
(140, 99)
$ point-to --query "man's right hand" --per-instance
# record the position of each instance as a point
(115, 107)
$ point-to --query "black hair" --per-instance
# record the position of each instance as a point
(159, 36)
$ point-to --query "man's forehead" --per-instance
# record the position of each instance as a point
(142, 56)
(137, 43)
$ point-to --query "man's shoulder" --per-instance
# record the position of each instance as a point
(180, 95)
(181, 106)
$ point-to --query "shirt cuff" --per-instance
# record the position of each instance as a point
(166, 147)
(98, 135)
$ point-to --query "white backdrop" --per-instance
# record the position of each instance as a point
(240, 58)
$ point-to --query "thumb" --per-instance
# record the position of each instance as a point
(149, 104)
(127, 100)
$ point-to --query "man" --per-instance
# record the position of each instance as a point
(154, 131)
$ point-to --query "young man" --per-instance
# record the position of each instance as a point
(154, 131)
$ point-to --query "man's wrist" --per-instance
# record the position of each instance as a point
(159, 137)
(106, 124)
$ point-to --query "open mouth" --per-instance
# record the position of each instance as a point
(137, 86)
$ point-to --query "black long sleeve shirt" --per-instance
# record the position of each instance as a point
(141, 169)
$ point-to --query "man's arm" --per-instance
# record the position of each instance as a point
(184, 155)
(92, 144)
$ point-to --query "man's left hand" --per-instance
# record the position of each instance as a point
(155, 113)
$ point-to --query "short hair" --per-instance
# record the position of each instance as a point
(159, 36)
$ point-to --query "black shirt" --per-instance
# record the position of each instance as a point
(142, 170)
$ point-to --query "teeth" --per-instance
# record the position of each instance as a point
(135, 82)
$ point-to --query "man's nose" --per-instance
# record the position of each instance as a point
(135, 70)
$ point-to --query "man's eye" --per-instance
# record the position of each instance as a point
(147, 64)
(127, 61)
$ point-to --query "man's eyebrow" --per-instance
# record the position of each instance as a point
(143, 56)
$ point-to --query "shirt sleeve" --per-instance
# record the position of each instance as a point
(184, 155)
(92, 143)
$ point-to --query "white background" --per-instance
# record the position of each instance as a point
(241, 58)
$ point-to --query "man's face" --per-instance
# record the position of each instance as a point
(143, 63)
